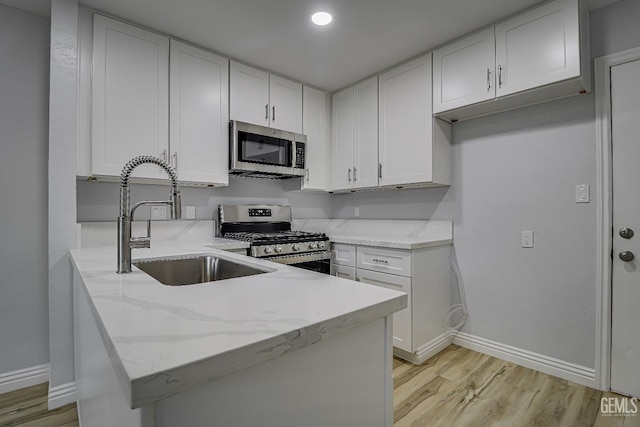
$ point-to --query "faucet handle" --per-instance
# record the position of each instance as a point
(142, 242)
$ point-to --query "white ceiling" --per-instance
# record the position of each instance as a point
(365, 37)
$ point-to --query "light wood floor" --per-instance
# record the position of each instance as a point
(460, 388)
(28, 408)
(456, 388)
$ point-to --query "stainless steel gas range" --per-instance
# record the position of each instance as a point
(267, 228)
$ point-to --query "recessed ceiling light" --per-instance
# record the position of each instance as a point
(321, 18)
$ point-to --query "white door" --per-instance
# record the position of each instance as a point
(365, 134)
(625, 125)
(285, 98)
(249, 94)
(463, 72)
(199, 111)
(130, 113)
(342, 140)
(406, 124)
(315, 125)
(538, 47)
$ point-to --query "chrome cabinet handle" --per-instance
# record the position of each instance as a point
(626, 256)
(488, 80)
(273, 115)
(354, 174)
(266, 111)
(175, 161)
(164, 155)
(349, 174)
(307, 174)
(500, 76)
(379, 170)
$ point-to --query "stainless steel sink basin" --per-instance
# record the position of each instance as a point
(197, 269)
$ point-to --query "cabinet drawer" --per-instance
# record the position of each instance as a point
(385, 261)
(344, 255)
(343, 271)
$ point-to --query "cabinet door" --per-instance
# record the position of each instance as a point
(538, 47)
(315, 125)
(130, 106)
(285, 98)
(365, 134)
(463, 72)
(343, 271)
(343, 254)
(406, 124)
(199, 114)
(402, 325)
(342, 140)
(249, 94)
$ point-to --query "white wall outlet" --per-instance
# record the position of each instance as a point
(158, 212)
(191, 212)
(582, 193)
(527, 239)
(356, 211)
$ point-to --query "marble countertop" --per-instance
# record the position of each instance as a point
(397, 234)
(163, 340)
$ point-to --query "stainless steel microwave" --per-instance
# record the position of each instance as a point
(263, 152)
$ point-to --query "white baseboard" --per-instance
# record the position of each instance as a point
(62, 395)
(528, 359)
(427, 350)
(24, 378)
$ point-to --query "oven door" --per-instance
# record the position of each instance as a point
(315, 261)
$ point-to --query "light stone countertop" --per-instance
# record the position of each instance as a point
(396, 234)
(163, 340)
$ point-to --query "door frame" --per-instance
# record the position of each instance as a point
(604, 188)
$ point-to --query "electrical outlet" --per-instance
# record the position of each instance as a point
(582, 193)
(527, 239)
(191, 212)
(158, 212)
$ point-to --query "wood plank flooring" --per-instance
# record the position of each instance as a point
(28, 408)
(456, 388)
(462, 388)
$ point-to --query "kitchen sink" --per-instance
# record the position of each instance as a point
(196, 269)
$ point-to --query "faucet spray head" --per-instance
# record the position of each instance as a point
(176, 204)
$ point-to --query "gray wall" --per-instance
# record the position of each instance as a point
(517, 171)
(24, 91)
(98, 201)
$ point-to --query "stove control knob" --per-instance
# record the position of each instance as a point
(268, 250)
(320, 245)
(313, 245)
(278, 249)
(295, 247)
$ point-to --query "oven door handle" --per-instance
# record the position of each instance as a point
(300, 258)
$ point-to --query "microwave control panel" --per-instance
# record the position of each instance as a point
(299, 155)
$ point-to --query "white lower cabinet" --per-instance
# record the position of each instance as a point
(420, 330)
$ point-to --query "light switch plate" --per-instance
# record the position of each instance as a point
(191, 212)
(582, 193)
(527, 239)
(158, 212)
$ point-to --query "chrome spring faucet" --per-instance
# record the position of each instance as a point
(125, 241)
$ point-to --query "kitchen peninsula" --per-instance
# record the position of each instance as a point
(286, 347)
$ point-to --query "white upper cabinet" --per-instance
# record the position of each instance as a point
(249, 94)
(263, 99)
(413, 147)
(365, 134)
(538, 47)
(130, 112)
(199, 114)
(464, 72)
(539, 55)
(316, 126)
(342, 139)
(285, 99)
(354, 154)
(136, 109)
